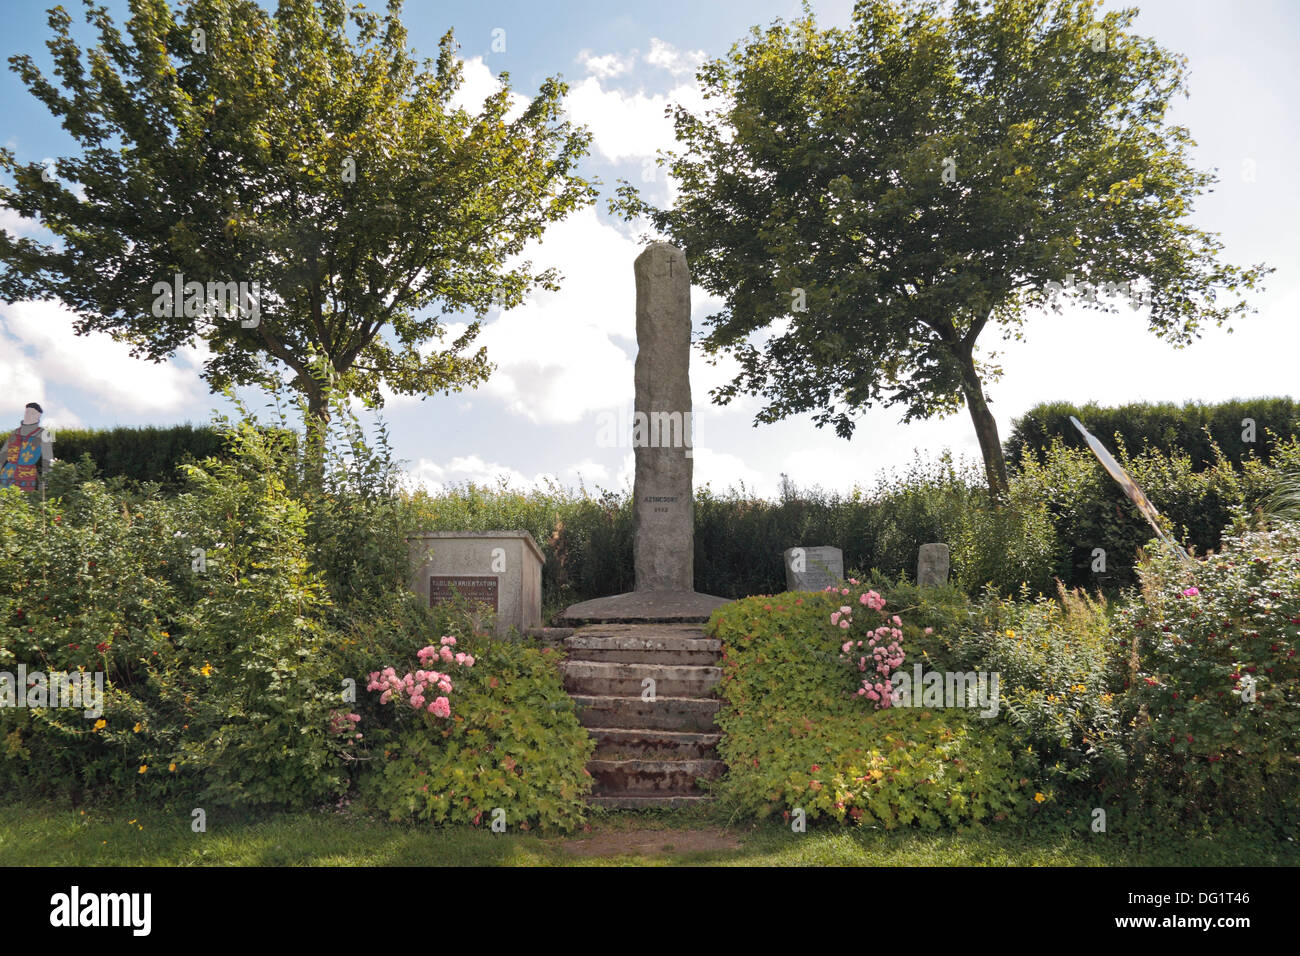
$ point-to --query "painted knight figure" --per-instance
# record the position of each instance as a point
(27, 453)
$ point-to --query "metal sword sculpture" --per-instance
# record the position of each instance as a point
(1131, 489)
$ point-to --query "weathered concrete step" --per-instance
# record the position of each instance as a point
(645, 607)
(614, 743)
(622, 680)
(643, 802)
(648, 631)
(690, 714)
(619, 777)
(673, 649)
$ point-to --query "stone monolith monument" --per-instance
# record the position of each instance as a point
(663, 502)
(663, 506)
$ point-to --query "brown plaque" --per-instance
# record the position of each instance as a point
(480, 590)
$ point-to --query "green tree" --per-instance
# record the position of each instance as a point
(867, 201)
(308, 152)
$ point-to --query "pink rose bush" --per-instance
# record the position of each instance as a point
(344, 725)
(877, 653)
(416, 687)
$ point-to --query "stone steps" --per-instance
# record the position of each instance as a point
(650, 753)
(675, 645)
(614, 743)
(642, 802)
(628, 679)
(651, 777)
(690, 714)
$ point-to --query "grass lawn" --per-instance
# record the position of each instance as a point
(52, 835)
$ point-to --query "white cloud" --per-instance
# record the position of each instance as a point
(724, 471)
(17, 225)
(606, 66)
(436, 478)
(478, 82)
(42, 346)
(626, 126)
(589, 473)
(555, 355)
(668, 57)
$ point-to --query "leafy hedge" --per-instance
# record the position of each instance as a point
(798, 737)
(1063, 508)
(1175, 707)
(236, 676)
(1216, 692)
(513, 742)
(148, 454)
(1163, 426)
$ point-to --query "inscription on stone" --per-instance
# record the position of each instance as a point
(479, 590)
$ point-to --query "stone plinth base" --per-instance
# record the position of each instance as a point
(645, 607)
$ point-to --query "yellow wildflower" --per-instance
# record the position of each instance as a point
(1010, 633)
(1039, 798)
(136, 728)
(144, 767)
(206, 669)
(101, 724)
(171, 767)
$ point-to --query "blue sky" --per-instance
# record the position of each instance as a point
(565, 359)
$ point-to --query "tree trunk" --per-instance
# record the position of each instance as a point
(316, 426)
(986, 429)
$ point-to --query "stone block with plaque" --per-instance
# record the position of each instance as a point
(499, 569)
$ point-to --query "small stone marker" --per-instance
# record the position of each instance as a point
(932, 566)
(813, 569)
(502, 569)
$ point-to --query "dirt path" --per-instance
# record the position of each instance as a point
(652, 842)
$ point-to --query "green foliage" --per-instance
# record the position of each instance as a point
(1061, 679)
(1283, 502)
(305, 150)
(513, 742)
(224, 685)
(148, 454)
(1205, 433)
(1090, 511)
(218, 680)
(139, 454)
(881, 193)
(796, 736)
(1205, 641)
(1062, 506)
(1008, 547)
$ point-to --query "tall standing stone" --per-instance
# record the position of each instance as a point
(663, 504)
(663, 507)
